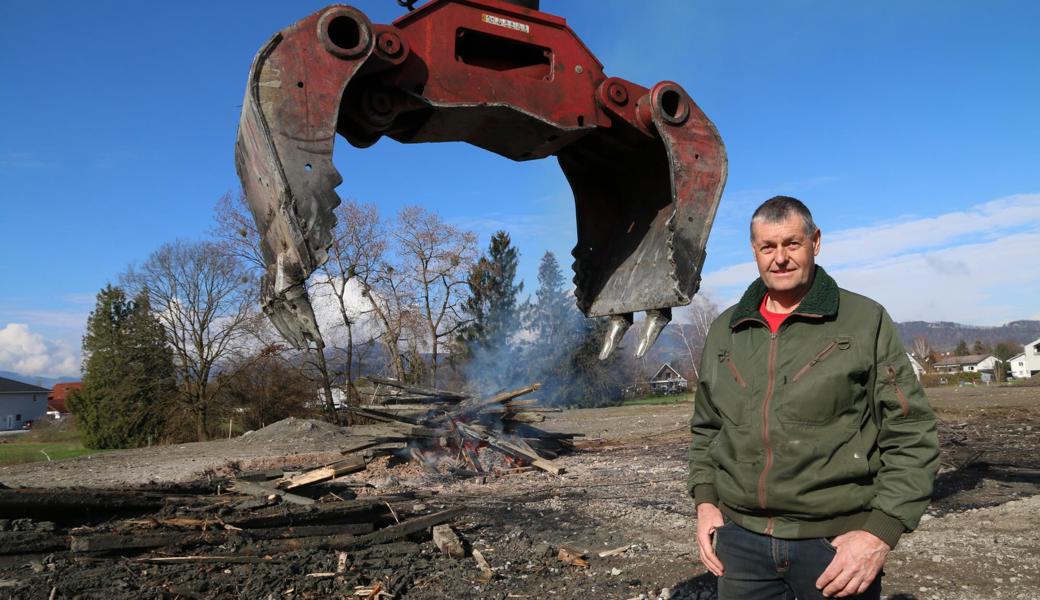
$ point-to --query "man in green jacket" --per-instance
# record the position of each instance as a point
(814, 447)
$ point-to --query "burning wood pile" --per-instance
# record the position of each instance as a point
(449, 431)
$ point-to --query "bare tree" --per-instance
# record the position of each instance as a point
(436, 257)
(236, 231)
(204, 298)
(357, 250)
(391, 298)
(922, 349)
(699, 316)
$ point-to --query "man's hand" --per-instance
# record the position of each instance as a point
(709, 518)
(859, 559)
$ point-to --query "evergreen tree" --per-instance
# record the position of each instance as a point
(553, 315)
(492, 304)
(962, 349)
(128, 373)
(564, 354)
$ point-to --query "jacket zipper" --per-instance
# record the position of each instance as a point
(736, 374)
(899, 391)
(812, 363)
(765, 431)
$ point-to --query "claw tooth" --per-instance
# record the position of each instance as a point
(619, 324)
(656, 319)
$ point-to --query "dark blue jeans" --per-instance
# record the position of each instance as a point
(760, 567)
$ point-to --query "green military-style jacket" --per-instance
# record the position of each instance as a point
(819, 429)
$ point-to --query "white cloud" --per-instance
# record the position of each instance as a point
(330, 319)
(27, 353)
(970, 266)
(981, 222)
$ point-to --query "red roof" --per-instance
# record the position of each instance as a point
(60, 393)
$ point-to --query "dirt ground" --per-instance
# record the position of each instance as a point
(625, 488)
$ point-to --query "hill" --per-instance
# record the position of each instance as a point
(45, 382)
(944, 335)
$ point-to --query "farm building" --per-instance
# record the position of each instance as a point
(20, 403)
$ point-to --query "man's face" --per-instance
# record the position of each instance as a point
(784, 254)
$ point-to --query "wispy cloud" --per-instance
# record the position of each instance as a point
(55, 319)
(971, 266)
(520, 224)
(23, 160)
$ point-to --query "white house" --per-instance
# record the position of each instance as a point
(973, 363)
(1027, 364)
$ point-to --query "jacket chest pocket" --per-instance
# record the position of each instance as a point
(730, 393)
(822, 388)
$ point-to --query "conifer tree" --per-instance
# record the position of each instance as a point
(492, 305)
(563, 355)
(128, 373)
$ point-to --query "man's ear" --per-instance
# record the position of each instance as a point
(816, 242)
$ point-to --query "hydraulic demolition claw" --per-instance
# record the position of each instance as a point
(646, 166)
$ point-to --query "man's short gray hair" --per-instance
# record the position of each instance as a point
(778, 208)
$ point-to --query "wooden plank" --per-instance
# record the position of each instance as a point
(255, 489)
(165, 560)
(138, 541)
(14, 502)
(525, 402)
(472, 406)
(512, 449)
(377, 415)
(398, 407)
(432, 392)
(526, 417)
(346, 541)
(349, 510)
(331, 471)
(26, 542)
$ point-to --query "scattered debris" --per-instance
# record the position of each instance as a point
(573, 557)
(615, 551)
(448, 542)
(483, 565)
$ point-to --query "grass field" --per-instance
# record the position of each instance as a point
(25, 452)
(48, 440)
(670, 399)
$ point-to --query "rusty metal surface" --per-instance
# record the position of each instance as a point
(646, 166)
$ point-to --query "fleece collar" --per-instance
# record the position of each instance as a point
(820, 301)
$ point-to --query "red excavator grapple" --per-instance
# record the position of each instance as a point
(646, 166)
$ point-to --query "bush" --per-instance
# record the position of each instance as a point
(937, 379)
(1033, 381)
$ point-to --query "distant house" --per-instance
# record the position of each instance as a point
(965, 364)
(1027, 364)
(339, 398)
(668, 381)
(56, 400)
(20, 403)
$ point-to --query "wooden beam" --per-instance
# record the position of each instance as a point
(431, 392)
(255, 489)
(352, 464)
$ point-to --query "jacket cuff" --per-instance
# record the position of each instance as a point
(889, 529)
(705, 492)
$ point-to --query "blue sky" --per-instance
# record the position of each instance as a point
(910, 128)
